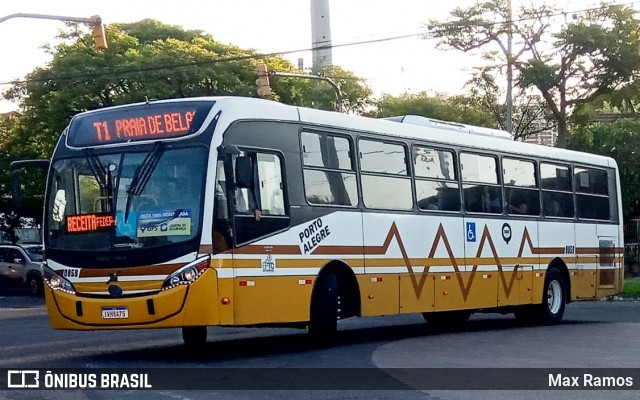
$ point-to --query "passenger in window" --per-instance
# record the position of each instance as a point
(520, 209)
(492, 205)
(427, 204)
(552, 208)
(223, 234)
(241, 203)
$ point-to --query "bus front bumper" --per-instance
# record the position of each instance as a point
(191, 304)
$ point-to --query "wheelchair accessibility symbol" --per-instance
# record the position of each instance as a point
(471, 231)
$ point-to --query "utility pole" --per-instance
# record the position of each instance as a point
(95, 22)
(320, 35)
(509, 68)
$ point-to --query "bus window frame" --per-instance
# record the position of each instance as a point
(354, 166)
(408, 175)
(230, 183)
(542, 190)
(415, 178)
(576, 193)
(496, 156)
(537, 188)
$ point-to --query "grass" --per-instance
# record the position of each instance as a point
(631, 288)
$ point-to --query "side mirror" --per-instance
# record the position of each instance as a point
(15, 175)
(244, 172)
(15, 189)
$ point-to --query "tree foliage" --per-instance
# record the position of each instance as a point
(455, 109)
(593, 55)
(145, 60)
(530, 114)
(621, 141)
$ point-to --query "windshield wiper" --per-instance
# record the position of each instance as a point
(142, 175)
(99, 172)
(97, 169)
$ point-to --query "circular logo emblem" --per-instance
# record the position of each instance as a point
(506, 233)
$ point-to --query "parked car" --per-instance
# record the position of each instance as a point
(21, 267)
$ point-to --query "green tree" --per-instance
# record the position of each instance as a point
(454, 109)
(593, 55)
(146, 59)
(530, 113)
(356, 94)
(621, 141)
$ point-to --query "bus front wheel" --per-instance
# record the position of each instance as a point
(194, 336)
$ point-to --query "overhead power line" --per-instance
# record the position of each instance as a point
(260, 56)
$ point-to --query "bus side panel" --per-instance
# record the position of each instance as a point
(610, 265)
(482, 238)
(379, 294)
(583, 278)
(557, 239)
(410, 286)
(274, 299)
(384, 245)
(517, 248)
(436, 253)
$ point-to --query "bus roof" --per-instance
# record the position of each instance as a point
(413, 127)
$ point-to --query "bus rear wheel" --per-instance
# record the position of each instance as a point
(325, 303)
(554, 299)
(194, 336)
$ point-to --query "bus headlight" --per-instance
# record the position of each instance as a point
(56, 282)
(187, 274)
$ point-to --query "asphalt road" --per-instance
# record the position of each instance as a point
(593, 335)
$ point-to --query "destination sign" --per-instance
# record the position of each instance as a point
(137, 122)
(82, 223)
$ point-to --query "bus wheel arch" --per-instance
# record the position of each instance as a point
(556, 293)
(335, 295)
(560, 265)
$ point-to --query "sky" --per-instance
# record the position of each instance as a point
(395, 67)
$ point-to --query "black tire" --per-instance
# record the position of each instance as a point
(554, 299)
(325, 303)
(447, 319)
(35, 285)
(194, 336)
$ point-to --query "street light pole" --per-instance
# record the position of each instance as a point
(322, 78)
(90, 21)
(95, 22)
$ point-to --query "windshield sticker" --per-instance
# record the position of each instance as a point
(312, 235)
(82, 223)
(129, 228)
(164, 223)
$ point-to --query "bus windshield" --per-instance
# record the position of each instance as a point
(125, 200)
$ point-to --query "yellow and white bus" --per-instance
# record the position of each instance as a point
(236, 211)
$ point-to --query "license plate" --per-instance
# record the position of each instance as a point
(115, 312)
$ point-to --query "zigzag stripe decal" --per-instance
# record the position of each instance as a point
(418, 280)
